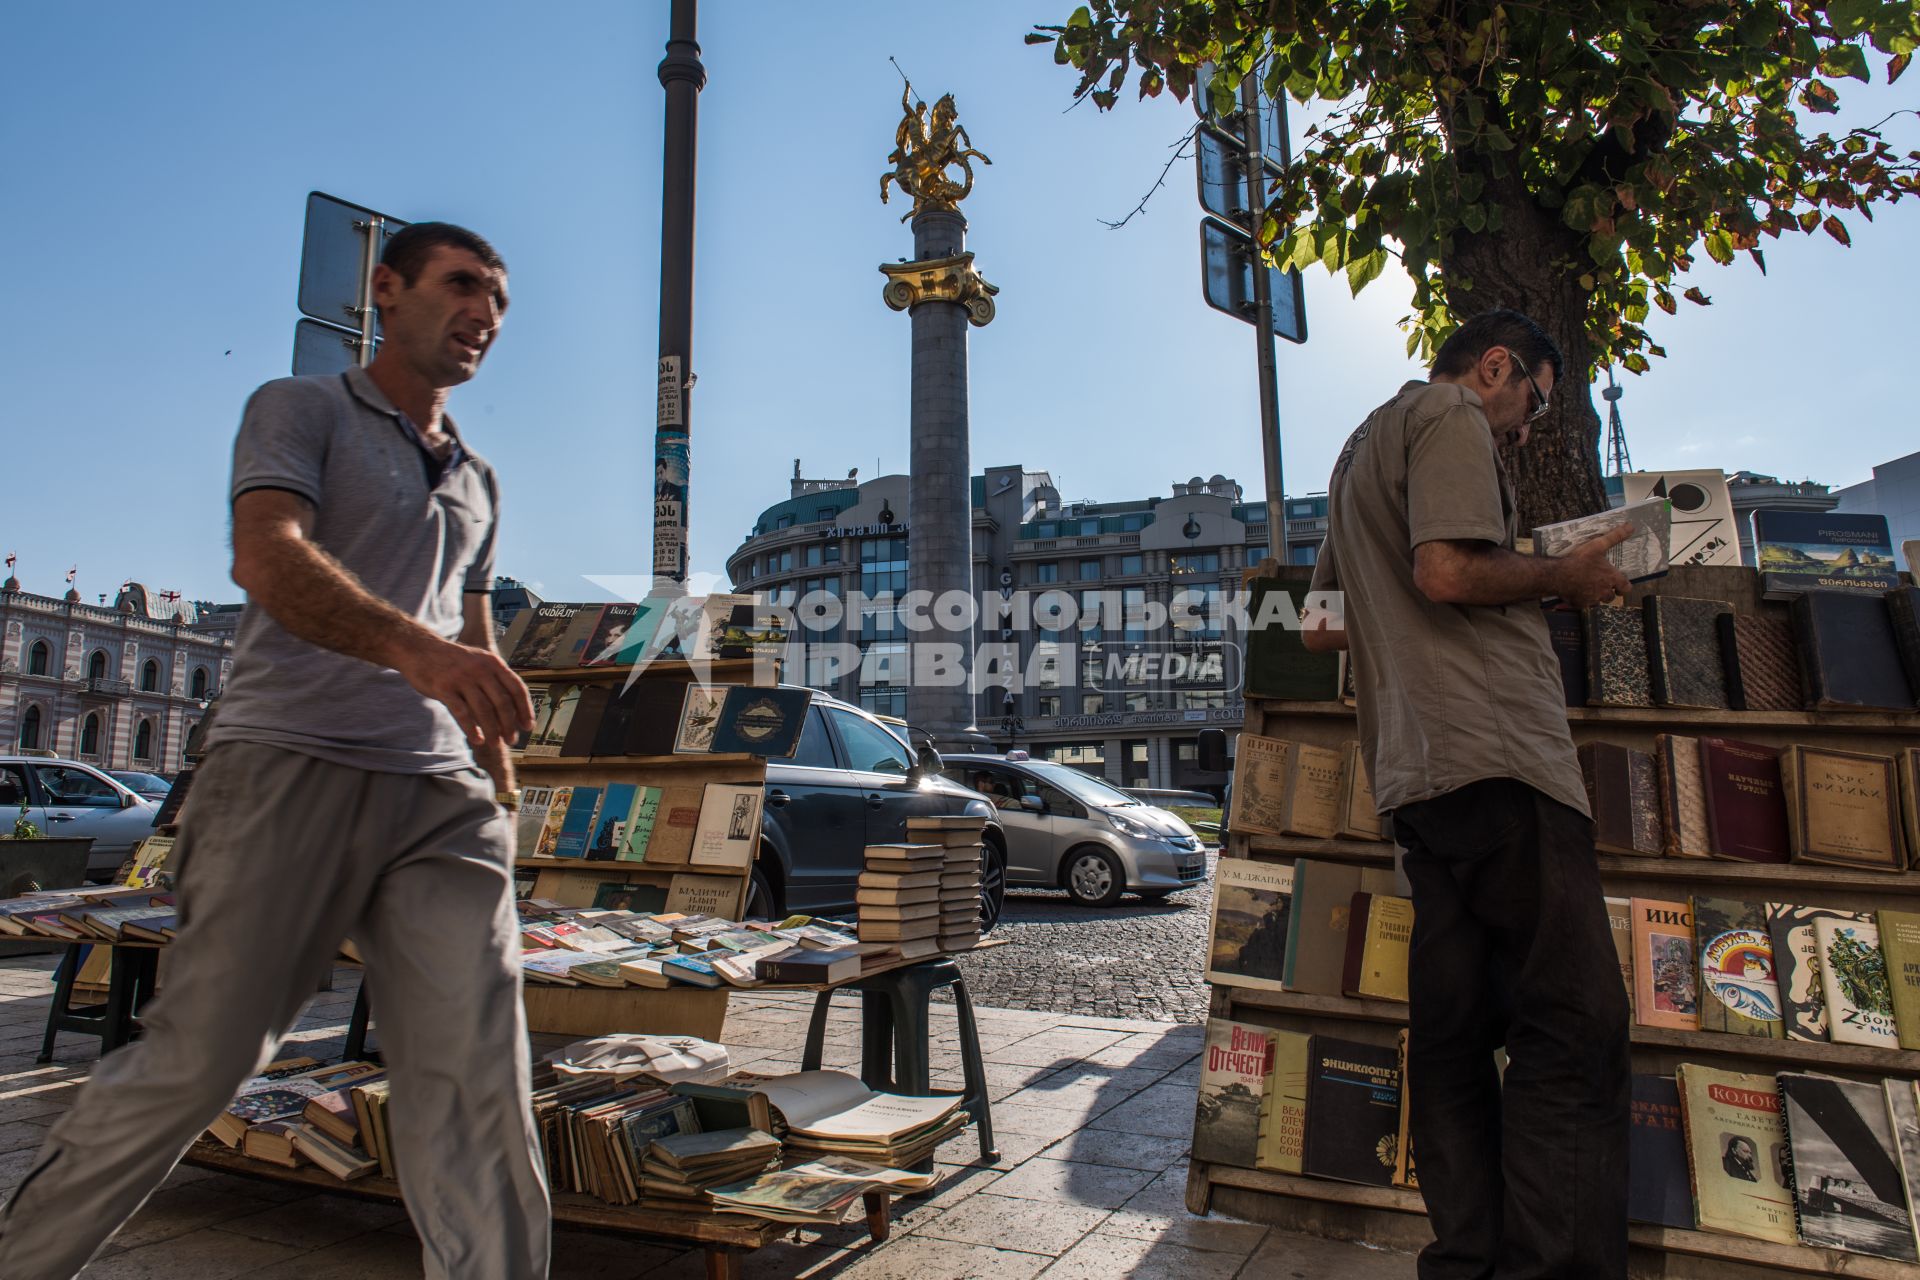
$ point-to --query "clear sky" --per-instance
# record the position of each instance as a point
(159, 157)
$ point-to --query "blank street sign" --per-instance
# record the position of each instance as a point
(330, 258)
(1226, 271)
(321, 348)
(1223, 179)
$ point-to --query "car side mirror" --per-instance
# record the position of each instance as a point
(128, 801)
(1033, 804)
(928, 763)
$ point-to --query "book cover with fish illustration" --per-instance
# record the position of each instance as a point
(1739, 992)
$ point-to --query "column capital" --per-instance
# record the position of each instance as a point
(939, 280)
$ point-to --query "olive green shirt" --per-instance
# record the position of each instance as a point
(1447, 694)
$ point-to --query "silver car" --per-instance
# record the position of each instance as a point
(67, 798)
(1066, 829)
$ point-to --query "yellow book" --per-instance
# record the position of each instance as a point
(1379, 939)
(1283, 1106)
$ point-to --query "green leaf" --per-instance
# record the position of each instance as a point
(1848, 60)
(1362, 272)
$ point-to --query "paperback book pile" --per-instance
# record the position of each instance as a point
(899, 899)
(91, 914)
(300, 1111)
(612, 947)
(830, 1113)
(679, 1169)
(819, 1191)
(960, 837)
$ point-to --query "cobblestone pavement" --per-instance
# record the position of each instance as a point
(1134, 959)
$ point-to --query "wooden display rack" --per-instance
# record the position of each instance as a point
(588, 1011)
(1396, 1218)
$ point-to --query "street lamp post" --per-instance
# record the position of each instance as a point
(682, 76)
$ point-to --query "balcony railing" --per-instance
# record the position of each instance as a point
(101, 686)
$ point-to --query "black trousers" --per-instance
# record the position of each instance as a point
(1526, 1179)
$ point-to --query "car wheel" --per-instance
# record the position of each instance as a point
(760, 901)
(1093, 877)
(993, 884)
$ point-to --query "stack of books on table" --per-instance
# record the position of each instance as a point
(680, 1169)
(960, 837)
(94, 914)
(819, 1191)
(273, 1118)
(831, 1113)
(899, 899)
(612, 947)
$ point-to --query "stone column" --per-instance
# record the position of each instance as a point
(943, 294)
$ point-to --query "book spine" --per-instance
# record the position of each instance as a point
(1807, 652)
(1686, 1133)
(1786, 1159)
(1730, 662)
(1590, 619)
(1353, 965)
(1653, 621)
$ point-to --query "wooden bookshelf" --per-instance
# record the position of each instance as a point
(1396, 1218)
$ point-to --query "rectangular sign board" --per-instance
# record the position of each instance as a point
(321, 348)
(1227, 257)
(330, 258)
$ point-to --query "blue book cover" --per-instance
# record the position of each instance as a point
(609, 828)
(696, 969)
(1801, 551)
(761, 722)
(578, 824)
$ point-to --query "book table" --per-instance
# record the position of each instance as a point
(1394, 1217)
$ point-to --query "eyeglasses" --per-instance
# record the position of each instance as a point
(1540, 406)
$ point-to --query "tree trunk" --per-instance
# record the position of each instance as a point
(1557, 475)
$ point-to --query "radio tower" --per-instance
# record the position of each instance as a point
(1618, 459)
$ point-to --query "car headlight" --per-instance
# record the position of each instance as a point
(978, 809)
(1127, 826)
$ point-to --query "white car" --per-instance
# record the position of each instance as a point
(67, 798)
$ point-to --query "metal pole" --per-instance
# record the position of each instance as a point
(369, 258)
(1263, 321)
(682, 76)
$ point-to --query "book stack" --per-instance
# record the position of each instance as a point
(960, 837)
(899, 899)
(830, 1113)
(679, 1169)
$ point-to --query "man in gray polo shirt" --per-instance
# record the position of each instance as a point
(356, 784)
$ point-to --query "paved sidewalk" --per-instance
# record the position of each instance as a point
(1092, 1116)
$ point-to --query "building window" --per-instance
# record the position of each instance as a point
(149, 676)
(38, 658)
(198, 689)
(1046, 571)
(1186, 751)
(812, 555)
(1089, 571)
(1093, 704)
(1139, 702)
(1304, 555)
(1093, 669)
(97, 665)
(90, 734)
(1134, 612)
(825, 513)
(1084, 755)
(784, 522)
(1049, 704)
(1300, 510)
(143, 741)
(780, 561)
(833, 553)
(1197, 562)
(30, 730)
(1133, 564)
(884, 701)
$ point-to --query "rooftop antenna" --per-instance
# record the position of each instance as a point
(1619, 461)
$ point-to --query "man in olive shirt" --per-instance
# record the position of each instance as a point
(1464, 726)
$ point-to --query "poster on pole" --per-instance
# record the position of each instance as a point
(669, 413)
(670, 506)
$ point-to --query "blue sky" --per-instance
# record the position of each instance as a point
(159, 159)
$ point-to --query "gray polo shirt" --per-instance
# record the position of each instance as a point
(417, 532)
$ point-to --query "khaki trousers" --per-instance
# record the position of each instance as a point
(280, 857)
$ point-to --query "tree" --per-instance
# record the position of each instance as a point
(1569, 160)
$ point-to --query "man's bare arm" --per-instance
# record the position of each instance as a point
(315, 598)
(1450, 572)
(476, 632)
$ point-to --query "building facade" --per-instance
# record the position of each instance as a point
(1894, 492)
(1125, 689)
(118, 687)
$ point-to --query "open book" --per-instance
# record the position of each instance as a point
(1643, 555)
(835, 1105)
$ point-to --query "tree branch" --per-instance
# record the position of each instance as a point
(1180, 150)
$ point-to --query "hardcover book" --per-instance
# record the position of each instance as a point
(1736, 1153)
(1853, 977)
(1379, 939)
(576, 825)
(1658, 1191)
(697, 894)
(547, 644)
(550, 732)
(1746, 810)
(1318, 922)
(1283, 1107)
(1353, 1111)
(1233, 1077)
(1642, 556)
(527, 824)
(762, 722)
(642, 813)
(1617, 658)
(1666, 989)
(700, 717)
(584, 729)
(1405, 1173)
(1903, 1113)
(1683, 651)
(1906, 763)
(1738, 990)
(1260, 773)
(1248, 943)
(1567, 631)
(1900, 945)
(1843, 808)
(728, 833)
(1762, 663)
(1312, 804)
(1703, 528)
(609, 831)
(1903, 611)
(1278, 664)
(1683, 797)
(1802, 551)
(1620, 925)
(1845, 1162)
(641, 718)
(1624, 792)
(1848, 660)
(622, 633)
(1796, 967)
(1360, 819)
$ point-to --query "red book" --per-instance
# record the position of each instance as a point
(1746, 807)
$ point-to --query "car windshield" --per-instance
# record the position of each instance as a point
(142, 781)
(1082, 787)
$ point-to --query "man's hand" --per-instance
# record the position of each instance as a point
(488, 701)
(1586, 576)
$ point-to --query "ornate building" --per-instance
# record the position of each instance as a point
(117, 686)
